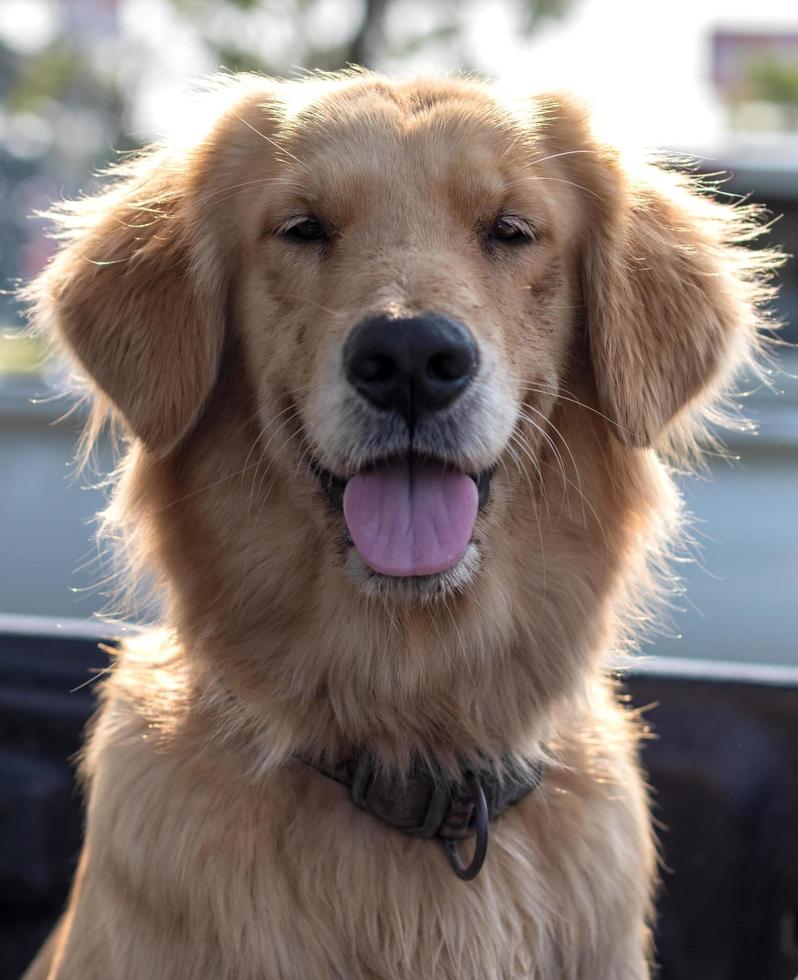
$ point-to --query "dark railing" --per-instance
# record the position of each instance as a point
(722, 767)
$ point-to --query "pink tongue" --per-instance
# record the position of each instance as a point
(414, 519)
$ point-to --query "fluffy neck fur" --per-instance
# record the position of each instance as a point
(276, 644)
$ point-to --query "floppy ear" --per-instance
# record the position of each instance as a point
(123, 297)
(671, 300)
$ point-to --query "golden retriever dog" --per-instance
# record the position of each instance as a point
(401, 369)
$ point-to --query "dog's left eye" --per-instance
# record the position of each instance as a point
(303, 229)
(510, 230)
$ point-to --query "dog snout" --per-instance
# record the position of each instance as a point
(411, 365)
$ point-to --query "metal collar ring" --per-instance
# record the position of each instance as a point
(466, 873)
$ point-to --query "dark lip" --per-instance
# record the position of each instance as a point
(333, 486)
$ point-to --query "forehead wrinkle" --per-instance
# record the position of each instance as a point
(363, 116)
(341, 154)
(357, 151)
(337, 121)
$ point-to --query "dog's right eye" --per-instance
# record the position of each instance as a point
(303, 229)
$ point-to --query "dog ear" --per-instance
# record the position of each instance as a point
(672, 299)
(669, 303)
(123, 296)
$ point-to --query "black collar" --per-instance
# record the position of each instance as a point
(426, 803)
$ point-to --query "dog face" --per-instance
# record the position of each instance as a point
(408, 291)
(418, 278)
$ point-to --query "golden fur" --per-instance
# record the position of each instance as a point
(210, 850)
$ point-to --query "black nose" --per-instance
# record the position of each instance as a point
(411, 365)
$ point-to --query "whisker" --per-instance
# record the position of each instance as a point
(558, 393)
(578, 487)
(564, 441)
(272, 142)
(555, 156)
(232, 187)
(517, 439)
(207, 486)
(537, 428)
(591, 508)
(510, 147)
(260, 481)
(299, 461)
(257, 439)
(533, 460)
(561, 180)
(543, 497)
(546, 436)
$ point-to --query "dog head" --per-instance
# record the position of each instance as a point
(404, 283)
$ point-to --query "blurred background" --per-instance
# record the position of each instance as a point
(82, 80)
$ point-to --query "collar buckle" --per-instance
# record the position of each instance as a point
(423, 803)
(415, 803)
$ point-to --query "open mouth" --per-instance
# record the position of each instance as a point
(409, 516)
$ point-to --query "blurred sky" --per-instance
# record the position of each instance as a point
(644, 66)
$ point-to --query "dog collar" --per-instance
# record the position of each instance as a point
(423, 802)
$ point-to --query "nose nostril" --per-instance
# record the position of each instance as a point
(377, 367)
(449, 366)
(413, 366)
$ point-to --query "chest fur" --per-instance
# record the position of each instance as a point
(281, 876)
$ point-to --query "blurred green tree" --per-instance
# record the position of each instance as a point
(328, 34)
(776, 81)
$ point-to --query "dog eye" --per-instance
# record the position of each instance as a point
(510, 230)
(303, 229)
